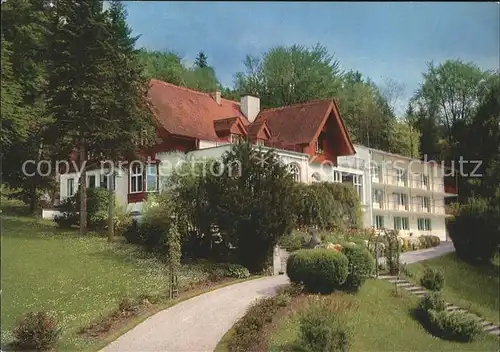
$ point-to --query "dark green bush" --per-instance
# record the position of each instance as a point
(474, 229)
(432, 279)
(294, 241)
(432, 300)
(320, 329)
(36, 331)
(320, 270)
(97, 209)
(455, 325)
(361, 265)
(133, 233)
(236, 271)
(249, 329)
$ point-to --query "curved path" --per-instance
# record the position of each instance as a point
(196, 324)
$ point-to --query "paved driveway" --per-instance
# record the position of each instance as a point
(423, 254)
(196, 324)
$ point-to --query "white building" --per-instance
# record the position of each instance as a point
(395, 191)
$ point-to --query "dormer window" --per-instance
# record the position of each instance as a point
(260, 142)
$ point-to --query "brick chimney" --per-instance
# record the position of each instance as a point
(216, 96)
(250, 107)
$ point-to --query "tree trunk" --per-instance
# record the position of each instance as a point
(83, 189)
(111, 207)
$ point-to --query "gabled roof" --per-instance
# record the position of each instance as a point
(259, 129)
(300, 124)
(185, 112)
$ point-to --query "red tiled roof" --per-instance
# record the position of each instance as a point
(298, 123)
(185, 112)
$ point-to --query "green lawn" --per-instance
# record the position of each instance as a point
(382, 322)
(467, 286)
(78, 278)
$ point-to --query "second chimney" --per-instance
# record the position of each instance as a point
(250, 107)
(217, 97)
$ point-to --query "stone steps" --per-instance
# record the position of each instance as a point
(418, 291)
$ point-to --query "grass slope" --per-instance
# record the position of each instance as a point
(475, 288)
(78, 278)
(381, 322)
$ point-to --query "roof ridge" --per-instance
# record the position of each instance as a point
(298, 104)
(190, 90)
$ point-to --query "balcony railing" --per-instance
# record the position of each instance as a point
(409, 207)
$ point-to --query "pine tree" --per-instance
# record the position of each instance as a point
(129, 116)
(78, 92)
(201, 60)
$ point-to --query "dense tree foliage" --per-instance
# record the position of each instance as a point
(289, 75)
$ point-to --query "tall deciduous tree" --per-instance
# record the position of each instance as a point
(288, 75)
(25, 31)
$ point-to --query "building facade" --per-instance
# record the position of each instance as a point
(310, 138)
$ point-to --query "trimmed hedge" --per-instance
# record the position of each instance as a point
(320, 270)
(361, 266)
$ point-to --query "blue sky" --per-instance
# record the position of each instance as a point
(381, 40)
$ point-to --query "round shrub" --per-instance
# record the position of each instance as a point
(432, 300)
(235, 270)
(320, 270)
(432, 279)
(454, 325)
(36, 331)
(361, 265)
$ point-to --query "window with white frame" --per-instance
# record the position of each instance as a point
(401, 175)
(152, 178)
(376, 171)
(70, 185)
(421, 224)
(136, 179)
(91, 181)
(260, 142)
(316, 177)
(319, 144)
(425, 180)
(357, 181)
(401, 199)
(406, 223)
(104, 181)
(401, 223)
(427, 224)
(294, 169)
(378, 196)
(426, 204)
(379, 221)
